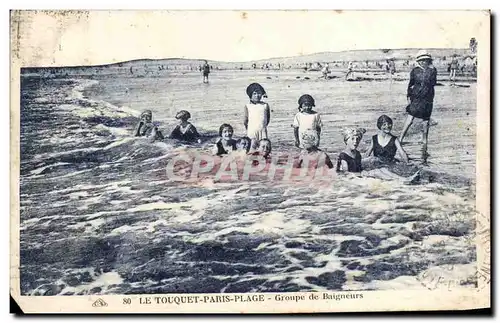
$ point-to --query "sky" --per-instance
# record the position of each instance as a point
(101, 37)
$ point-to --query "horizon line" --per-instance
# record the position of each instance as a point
(249, 61)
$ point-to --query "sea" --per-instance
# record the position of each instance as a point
(100, 215)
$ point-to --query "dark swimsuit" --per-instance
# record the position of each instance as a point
(190, 134)
(386, 158)
(353, 164)
(220, 148)
(386, 153)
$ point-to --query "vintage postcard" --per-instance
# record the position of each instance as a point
(250, 161)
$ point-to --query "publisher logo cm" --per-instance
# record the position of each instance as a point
(99, 303)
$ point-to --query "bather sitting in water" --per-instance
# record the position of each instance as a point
(146, 128)
(311, 156)
(385, 145)
(225, 144)
(349, 161)
(243, 146)
(185, 130)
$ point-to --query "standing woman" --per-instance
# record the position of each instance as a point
(420, 96)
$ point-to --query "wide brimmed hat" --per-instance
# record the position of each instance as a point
(183, 114)
(423, 55)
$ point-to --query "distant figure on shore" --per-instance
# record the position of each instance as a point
(453, 68)
(350, 71)
(206, 70)
(325, 70)
(420, 95)
(390, 67)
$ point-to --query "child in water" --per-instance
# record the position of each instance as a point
(264, 149)
(350, 159)
(242, 148)
(256, 114)
(385, 145)
(185, 130)
(306, 119)
(225, 144)
(146, 128)
(316, 158)
(243, 145)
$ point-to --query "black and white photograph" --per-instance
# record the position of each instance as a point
(239, 159)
